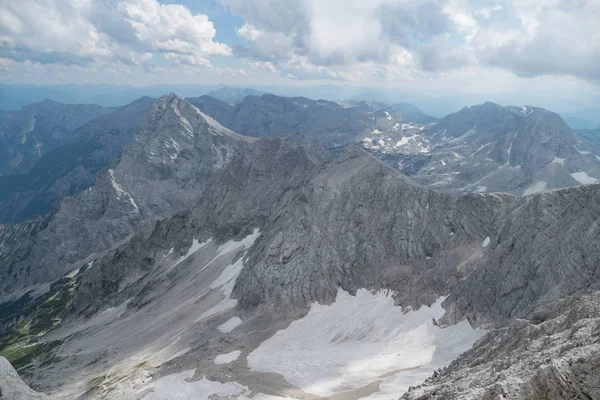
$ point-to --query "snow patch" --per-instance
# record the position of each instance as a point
(119, 189)
(179, 353)
(362, 339)
(227, 358)
(177, 386)
(226, 281)
(583, 178)
(193, 248)
(557, 160)
(229, 325)
(486, 242)
(526, 111)
(581, 151)
(535, 188)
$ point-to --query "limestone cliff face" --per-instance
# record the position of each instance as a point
(12, 387)
(553, 355)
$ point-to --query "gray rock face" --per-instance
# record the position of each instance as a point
(364, 225)
(72, 167)
(161, 172)
(37, 128)
(554, 355)
(236, 200)
(543, 251)
(12, 387)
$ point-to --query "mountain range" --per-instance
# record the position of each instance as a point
(490, 148)
(27, 134)
(469, 151)
(282, 260)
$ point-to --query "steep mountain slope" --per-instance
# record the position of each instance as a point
(72, 167)
(490, 148)
(555, 355)
(37, 128)
(161, 172)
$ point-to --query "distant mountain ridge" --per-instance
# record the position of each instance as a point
(37, 128)
(483, 148)
(73, 166)
(329, 122)
(233, 94)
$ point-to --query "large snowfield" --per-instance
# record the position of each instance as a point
(362, 339)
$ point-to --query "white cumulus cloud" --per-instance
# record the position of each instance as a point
(86, 31)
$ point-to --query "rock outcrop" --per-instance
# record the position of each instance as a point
(12, 387)
(553, 355)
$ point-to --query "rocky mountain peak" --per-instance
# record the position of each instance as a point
(162, 171)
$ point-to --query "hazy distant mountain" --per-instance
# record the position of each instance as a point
(579, 123)
(229, 94)
(332, 123)
(15, 96)
(370, 96)
(590, 135)
(71, 167)
(519, 150)
(37, 128)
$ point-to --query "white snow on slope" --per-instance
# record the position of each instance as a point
(486, 242)
(193, 248)
(583, 178)
(119, 189)
(558, 160)
(535, 188)
(584, 152)
(229, 325)
(359, 340)
(178, 387)
(226, 280)
(228, 357)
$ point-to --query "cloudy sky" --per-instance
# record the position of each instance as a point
(536, 48)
